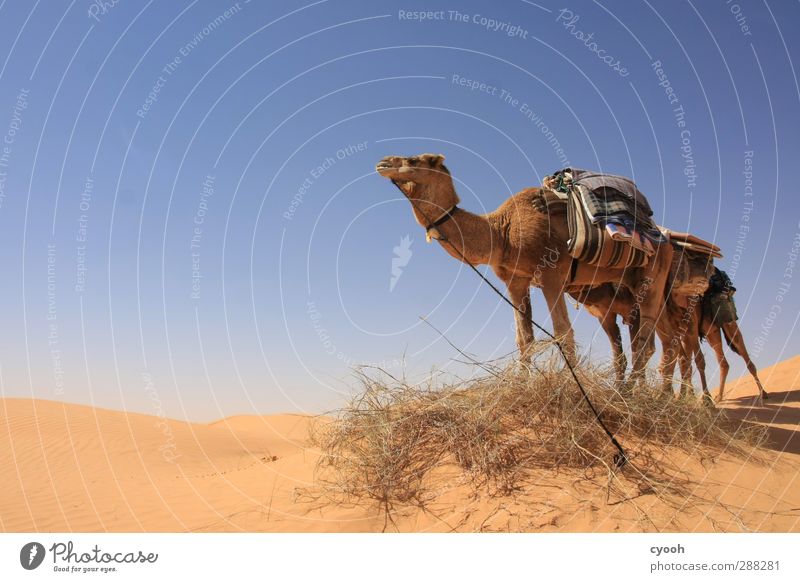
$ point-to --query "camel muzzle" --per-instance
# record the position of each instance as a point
(389, 164)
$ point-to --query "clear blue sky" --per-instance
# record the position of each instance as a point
(130, 129)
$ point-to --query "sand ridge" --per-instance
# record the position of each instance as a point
(70, 467)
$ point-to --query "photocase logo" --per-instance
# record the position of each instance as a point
(31, 555)
(402, 255)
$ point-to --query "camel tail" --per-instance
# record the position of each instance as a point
(729, 340)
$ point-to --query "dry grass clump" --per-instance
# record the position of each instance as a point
(391, 438)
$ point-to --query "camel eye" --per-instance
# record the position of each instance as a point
(413, 161)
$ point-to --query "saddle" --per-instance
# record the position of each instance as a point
(609, 219)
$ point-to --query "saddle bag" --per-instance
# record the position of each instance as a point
(719, 308)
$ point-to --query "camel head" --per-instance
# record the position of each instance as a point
(425, 181)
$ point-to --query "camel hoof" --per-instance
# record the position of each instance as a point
(765, 395)
(708, 400)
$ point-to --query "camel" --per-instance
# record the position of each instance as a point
(701, 325)
(525, 246)
(689, 325)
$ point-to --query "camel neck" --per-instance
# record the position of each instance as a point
(467, 234)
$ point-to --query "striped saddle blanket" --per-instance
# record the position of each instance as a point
(609, 219)
(619, 239)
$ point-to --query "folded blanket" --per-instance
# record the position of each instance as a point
(634, 201)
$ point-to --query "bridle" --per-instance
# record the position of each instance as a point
(432, 232)
(432, 228)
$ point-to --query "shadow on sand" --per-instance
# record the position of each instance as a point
(776, 410)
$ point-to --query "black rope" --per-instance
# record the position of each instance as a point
(620, 459)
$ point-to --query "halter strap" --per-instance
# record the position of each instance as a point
(431, 229)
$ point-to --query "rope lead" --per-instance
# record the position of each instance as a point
(620, 458)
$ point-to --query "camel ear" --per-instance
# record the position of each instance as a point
(434, 160)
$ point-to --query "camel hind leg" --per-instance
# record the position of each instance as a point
(733, 336)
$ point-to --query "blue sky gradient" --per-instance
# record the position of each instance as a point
(233, 250)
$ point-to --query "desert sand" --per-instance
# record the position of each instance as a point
(68, 467)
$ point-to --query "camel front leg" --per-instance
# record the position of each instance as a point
(609, 324)
(562, 328)
(649, 289)
(653, 319)
(700, 362)
(519, 290)
(691, 347)
(671, 345)
(714, 337)
(685, 364)
(669, 351)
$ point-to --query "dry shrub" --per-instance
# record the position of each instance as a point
(387, 442)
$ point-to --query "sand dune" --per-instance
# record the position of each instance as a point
(69, 467)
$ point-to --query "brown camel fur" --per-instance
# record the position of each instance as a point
(606, 302)
(525, 246)
(689, 326)
(700, 325)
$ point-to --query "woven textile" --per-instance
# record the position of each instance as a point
(719, 308)
(718, 305)
(592, 243)
(624, 191)
(621, 190)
